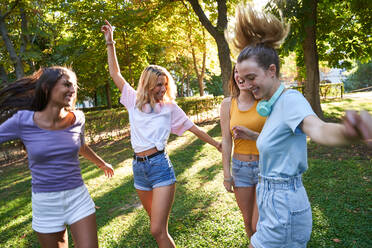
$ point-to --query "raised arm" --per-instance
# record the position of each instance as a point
(226, 143)
(111, 56)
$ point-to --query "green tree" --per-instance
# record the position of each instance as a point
(326, 30)
(360, 78)
(217, 31)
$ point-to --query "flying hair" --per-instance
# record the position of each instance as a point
(255, 27)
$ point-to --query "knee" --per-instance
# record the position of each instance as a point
(157, 231)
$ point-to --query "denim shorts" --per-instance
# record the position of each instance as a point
(52, 211)
(245, 174)
(153, 172)
(285, 218)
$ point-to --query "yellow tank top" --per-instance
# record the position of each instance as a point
(249, 119)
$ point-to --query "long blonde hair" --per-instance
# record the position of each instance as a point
(257, 34)
(147, 83)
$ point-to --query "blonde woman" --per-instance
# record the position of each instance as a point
(153, 115)
(285, 218)
(238, 117)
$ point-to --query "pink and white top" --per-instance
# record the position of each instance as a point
(150, 130)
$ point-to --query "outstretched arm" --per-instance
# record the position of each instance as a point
(205, 137)
(111, 56)
(89, 154)
(354, 128)
(226, 144)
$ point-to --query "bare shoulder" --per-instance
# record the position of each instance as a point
(226, 102)
(225, 106)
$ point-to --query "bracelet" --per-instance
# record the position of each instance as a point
(110, 42)
(230, 179)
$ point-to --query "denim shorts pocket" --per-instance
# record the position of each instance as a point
(280, 207)
(235, 168)
(301, 225)
(159, 160)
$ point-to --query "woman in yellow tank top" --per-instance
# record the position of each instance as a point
(241, 125)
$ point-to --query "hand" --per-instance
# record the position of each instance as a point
(229, 185)
(107, 168)
(219, 146)
(358, 126)
(108, 31)
(240, 132)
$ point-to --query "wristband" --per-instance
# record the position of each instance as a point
(110, 42)
(230, 179)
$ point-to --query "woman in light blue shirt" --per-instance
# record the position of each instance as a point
(285, 218)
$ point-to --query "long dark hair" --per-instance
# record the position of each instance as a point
(257, 35)
(31, 92)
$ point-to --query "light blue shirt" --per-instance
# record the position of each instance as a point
(282, 143)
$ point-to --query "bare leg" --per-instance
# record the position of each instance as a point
(246, 199)
(146, 200)
(161, 206)
(52, 240)
(84, 232)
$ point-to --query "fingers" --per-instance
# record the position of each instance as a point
(366, 127)
(107, 27)
(228, 186)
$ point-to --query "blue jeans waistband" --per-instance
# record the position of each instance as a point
(244, 163)
(280, 183)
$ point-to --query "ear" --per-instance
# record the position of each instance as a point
(272, 70)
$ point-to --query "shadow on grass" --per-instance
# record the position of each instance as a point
(185, 214)
(339, 189)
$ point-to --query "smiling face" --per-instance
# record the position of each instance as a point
(160, 88)
(262, 83)
(64, 92)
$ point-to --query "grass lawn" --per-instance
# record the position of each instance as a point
(338, 183)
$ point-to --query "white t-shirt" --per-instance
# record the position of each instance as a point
(150, 130)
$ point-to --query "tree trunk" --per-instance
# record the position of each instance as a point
(311, 56)
(95, 99)
(187, 85)
(25, 38)
(108, 95)
(182, 85)
(3, 75)
(218, 35)
(10, 48)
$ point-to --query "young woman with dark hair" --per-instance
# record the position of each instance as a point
(53, 134)
(285, 218)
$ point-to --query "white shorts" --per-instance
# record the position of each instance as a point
(52, 211)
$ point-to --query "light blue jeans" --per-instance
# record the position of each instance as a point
(153, 172)
(245, 174)
(285, 218)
